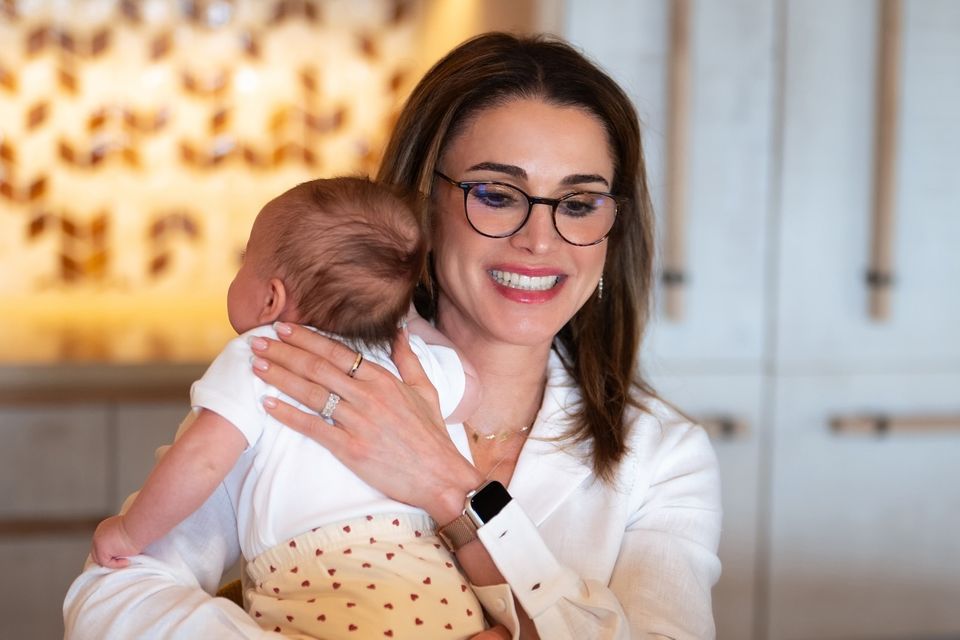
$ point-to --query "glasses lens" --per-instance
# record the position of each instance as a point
(496, 210)
(586, 218)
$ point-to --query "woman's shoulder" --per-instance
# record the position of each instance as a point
(654, 426)
(657, 425)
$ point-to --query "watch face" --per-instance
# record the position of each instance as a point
(489, 500)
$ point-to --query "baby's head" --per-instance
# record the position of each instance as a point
(341, 254)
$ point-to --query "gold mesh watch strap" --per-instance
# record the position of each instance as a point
(457, 533)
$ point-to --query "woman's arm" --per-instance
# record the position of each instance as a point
(385, 429)
(179, 484)
(666, 566)
(165, 592)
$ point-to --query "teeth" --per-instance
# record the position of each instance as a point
(527, 283)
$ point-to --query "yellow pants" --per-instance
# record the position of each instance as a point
(383, 576)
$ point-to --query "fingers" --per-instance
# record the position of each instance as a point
(308, 424)
(408, 364)
(498, 632)
(110, 562)
(309, 344)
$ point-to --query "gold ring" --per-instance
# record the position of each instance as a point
(356, 365)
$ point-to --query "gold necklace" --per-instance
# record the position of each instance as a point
(500, 436)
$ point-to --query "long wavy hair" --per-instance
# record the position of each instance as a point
(599, 345)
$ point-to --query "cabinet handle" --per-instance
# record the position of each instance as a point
(880, 273)
(882, 424)
(673, 276)
(723, 427)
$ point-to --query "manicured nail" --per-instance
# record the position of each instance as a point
(282, 328)
(259, 363)
(269, 402)
(257, 343)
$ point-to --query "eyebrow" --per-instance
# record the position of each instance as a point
(518, 172)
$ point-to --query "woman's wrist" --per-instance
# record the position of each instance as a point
(449, 501)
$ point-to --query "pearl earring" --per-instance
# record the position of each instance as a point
(600, 289)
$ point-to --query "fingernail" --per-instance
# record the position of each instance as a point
(257, 343)
(282, 328)
(269, 402)
(259, 363)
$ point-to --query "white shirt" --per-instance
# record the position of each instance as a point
(635, 558)
(285, 483)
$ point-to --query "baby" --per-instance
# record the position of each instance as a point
(327, 556)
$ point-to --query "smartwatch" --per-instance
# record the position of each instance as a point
(482, 505)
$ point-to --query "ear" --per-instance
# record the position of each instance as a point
(275, 303)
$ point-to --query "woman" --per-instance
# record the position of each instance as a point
(540, 272)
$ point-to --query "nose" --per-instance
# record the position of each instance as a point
(539, 234)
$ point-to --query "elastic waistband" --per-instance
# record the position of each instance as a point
(384, 527)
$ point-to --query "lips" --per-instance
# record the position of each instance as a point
(524, 282)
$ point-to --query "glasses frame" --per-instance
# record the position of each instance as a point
(553, 203)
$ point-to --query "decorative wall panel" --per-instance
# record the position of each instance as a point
(138, 140)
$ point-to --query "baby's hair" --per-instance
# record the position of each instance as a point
(350, 253)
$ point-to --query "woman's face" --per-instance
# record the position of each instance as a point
(545, 150)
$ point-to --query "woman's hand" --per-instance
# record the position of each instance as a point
(388, 431)
(498, 632)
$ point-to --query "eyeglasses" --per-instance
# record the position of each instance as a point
(499, 210)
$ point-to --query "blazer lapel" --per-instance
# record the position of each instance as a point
(548, 471)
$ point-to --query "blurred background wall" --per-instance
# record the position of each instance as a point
(803, 162)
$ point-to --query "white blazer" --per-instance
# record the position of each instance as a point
(635, 558)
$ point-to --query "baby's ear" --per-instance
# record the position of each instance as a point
(275, 302)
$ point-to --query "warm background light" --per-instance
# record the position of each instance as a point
(140, 139)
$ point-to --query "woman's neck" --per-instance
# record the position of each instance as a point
(512, 379)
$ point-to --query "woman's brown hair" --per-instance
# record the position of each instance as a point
(600, 343)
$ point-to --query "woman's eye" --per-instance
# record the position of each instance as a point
(495, 198)
(577, 208)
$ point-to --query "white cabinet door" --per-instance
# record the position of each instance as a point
(728, 161)
(54, 462)
(827, 190)
(737, 398)
(865, 530)
(141, 428)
